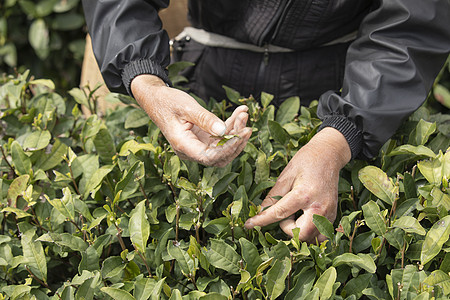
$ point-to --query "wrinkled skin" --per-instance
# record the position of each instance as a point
(188, 126)
(308, 183)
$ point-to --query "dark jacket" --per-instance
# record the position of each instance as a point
(389, 70)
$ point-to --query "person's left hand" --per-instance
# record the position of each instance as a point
(308, 183)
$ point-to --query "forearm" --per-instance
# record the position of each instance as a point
(390, 69)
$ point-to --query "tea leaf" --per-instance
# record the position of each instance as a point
(21, 161)
(288, 110)
(409, 225)
(361, 260)
(278, 133)
(434, 239)
(276, 277)
(325, 283)
(34, 254)
(117, 294)
(185, 262)
(139, 227)
(376, 181)
(324, 226)
(112, 266)
(303, 285)
(416, 150)
(223, 256)
(250, 255)
(133, 147)
(374, 218)
(137, 118)
(37, 140)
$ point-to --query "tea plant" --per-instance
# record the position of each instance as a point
(100, 208)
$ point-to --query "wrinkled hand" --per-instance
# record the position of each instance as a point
(187, 126)
(308, 183)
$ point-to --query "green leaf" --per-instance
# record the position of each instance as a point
(133, 147)
(250, 255)
(64, 240)
(435, 238)
(376, 181)
(416, 150)
(139, 227)
(112, 266)
(303, 285)
(97, 178)
(20, 160)
(288, 110)
(127, 185)
(325, 283)
(355, 286)
(440, 279)
(39, 38)
(105, 145)
(37, 140)
(222, 185)
(431, 170)
(136, 118)
(117, 294)
(373, 217)
(17, 187)
(442, 94)
(52, 159)
(324, 226)
(439, 198)
(223, 256)
(361, 260)
(278, 133)
(68, 21)
(276, 277)
(17, 211)
(409, 225)
(64, 205)
(422, 132)
(184, 261)
(262, 171)
(266, 99)
(34, 255)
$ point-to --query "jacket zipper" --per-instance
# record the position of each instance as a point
(276, 21)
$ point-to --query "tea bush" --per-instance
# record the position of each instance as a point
(101, 208)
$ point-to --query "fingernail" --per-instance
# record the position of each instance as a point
(249, 224)
(219, 128)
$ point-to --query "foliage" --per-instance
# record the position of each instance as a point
(94, 208)
(46, 36)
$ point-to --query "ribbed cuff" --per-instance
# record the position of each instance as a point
(139, 67)
(348, 130)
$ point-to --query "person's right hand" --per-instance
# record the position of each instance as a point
(189, 127)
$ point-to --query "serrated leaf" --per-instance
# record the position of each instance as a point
(133, 147)
(377, 182)
(435, 238)
(223, 256)
(409, 225)
(276, 277)
(136, 118)
(97, 178)
(325, 283)
(51, 160)
(21, 161)
(361, 260)
(440, 279)
(250, 255)
(184, 261)
(17, 211)
(278, 133)
(139, 227)
(431, 170)
(37, 140)
(416, 150)
(373, 217)
(303, 285)
(117, 294)
(112, 266)
(34, 254)
(288, 110)
(65, 240)
(324, 226)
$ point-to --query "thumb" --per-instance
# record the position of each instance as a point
(206, 120)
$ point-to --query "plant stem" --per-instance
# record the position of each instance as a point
(4, 157)
(145, 262)
(143, 192)
(353, 236)
(177, 221)
(403, 254)
(119, 236)
(40, 281)
(74, 182)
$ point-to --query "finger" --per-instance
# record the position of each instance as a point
(237, 113)
(239, 123)
(204, 119)
(245, 135)
(308, 231)
(285, 207)
(282, 187)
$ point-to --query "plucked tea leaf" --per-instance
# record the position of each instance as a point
(376, 181)
(276, 277)
(223, 256)
(139, 227)
(435, 238)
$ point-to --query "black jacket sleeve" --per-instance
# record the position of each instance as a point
(390, 68)
(128, 40)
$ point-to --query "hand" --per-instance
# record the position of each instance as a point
(188, 126)
(308, 183)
